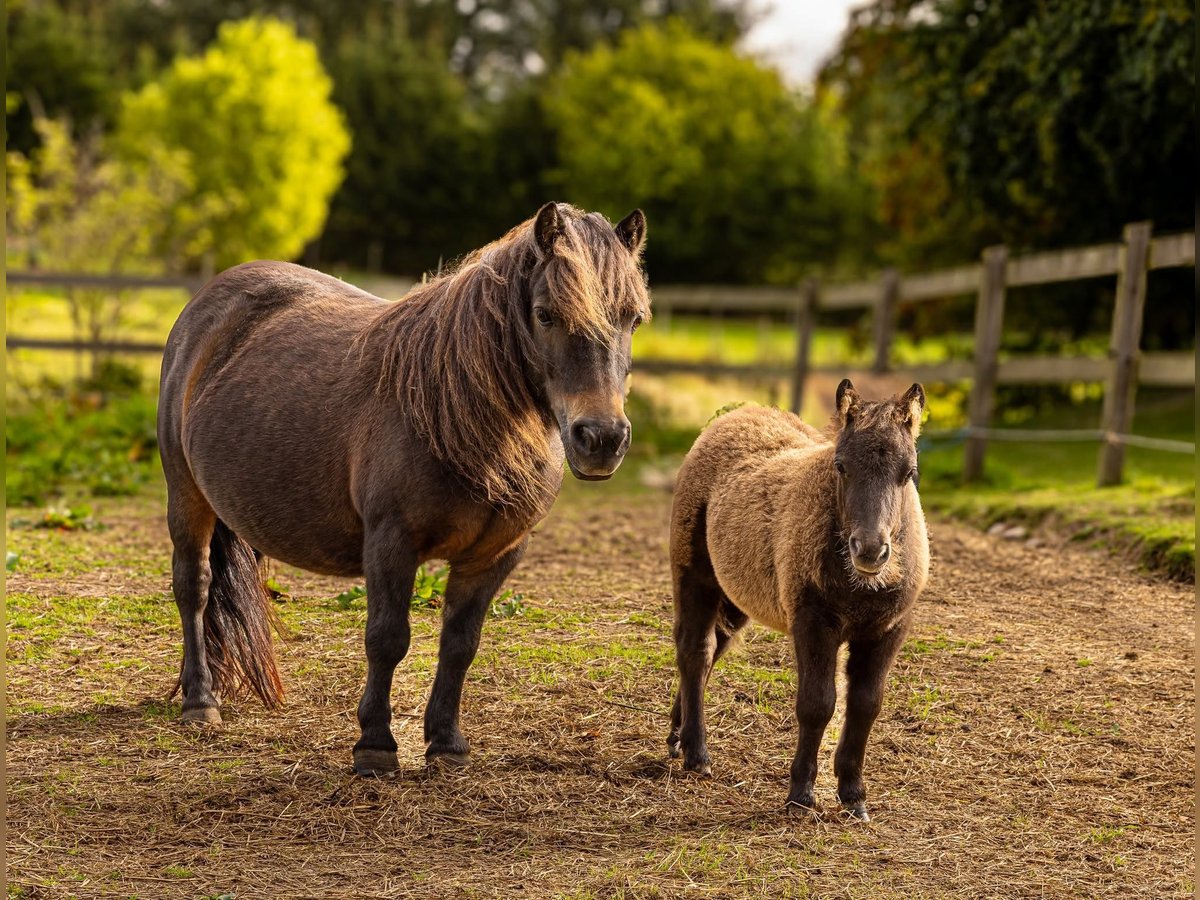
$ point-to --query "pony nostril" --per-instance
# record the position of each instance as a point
(586, 436)
(855, 547)
(623, 433)
(884, 552)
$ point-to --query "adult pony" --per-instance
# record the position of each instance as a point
(308, 421)
(818, 536)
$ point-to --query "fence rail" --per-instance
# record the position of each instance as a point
(1124, 368)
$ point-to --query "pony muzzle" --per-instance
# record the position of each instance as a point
(870, 555)
(595, 445)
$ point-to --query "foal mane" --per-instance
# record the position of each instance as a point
(456, 349)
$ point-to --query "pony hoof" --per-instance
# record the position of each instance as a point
(447, 761)
(674, 750)
(858, 812)
(802, 810)
(703, 769)
(201, 715)
(374, 763)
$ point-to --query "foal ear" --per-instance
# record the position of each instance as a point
(910, 407)
(632, 231)
(846, 400)
(547, 227)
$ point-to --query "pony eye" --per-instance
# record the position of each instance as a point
(637, 320)
(543, 317)
(914, 476)
(841, 470)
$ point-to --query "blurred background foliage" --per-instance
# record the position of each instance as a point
(935, 128)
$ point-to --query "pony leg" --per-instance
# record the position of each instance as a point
(390, 567)
(729, 622)
(816, 646)
(701, 636)
(191, 522)
(866, 674)
(469, 592)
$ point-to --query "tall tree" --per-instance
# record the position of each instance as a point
(263, 142)
(738, 174)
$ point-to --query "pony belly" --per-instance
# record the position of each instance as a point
(749, 582)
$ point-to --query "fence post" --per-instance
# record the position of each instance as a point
(989, 327)
(1123, 350)
(806, 307)
(885, 320)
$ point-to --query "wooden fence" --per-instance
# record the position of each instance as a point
(1124, 368)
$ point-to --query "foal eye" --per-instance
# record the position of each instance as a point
(914, 476)
(841, 470)
(543, 317)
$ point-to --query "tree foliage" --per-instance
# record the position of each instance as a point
(263, 142)
(72, 207)
(1019, 121)
(57, 68)
(734, 170)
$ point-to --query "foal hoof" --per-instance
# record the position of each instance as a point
(447, 761)
(201, 715)
(374, 763)
(798, 810)
(857, 811)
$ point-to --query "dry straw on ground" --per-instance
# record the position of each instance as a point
(1037, 738)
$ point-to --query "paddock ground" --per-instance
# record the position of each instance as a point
(1037, 738)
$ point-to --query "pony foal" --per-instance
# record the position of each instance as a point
(819, 537)
(303, 419)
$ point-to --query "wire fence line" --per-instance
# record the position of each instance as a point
(1060, 435)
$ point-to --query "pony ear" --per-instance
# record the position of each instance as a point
(547, 227)
(846, 401)
(910, 407)
(632, 231)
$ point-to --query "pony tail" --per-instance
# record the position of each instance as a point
(238, 620)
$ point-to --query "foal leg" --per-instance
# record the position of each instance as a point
(730, 621)
(191, 521)
(390, 566)
(699, 640)
(468, 595)
(816, 644)
(866, 674)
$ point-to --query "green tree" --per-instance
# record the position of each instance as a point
(420, 165)
(1045, 123)
(739, 175)
(57, 67)
(71, 207)
(263, 141)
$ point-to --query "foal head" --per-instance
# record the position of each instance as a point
(875, 460)
(587, 295)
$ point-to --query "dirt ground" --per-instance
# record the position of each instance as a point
(1037, 739)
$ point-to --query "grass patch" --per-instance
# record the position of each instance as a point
(1152, 516)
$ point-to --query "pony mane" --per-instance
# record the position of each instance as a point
(455, 348)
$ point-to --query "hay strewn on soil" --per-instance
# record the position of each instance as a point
(1037, 738)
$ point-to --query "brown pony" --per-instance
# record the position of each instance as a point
(820, 537)
(305, 420)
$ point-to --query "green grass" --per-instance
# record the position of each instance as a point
(1151, 516)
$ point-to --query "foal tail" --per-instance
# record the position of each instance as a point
(238, 620)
